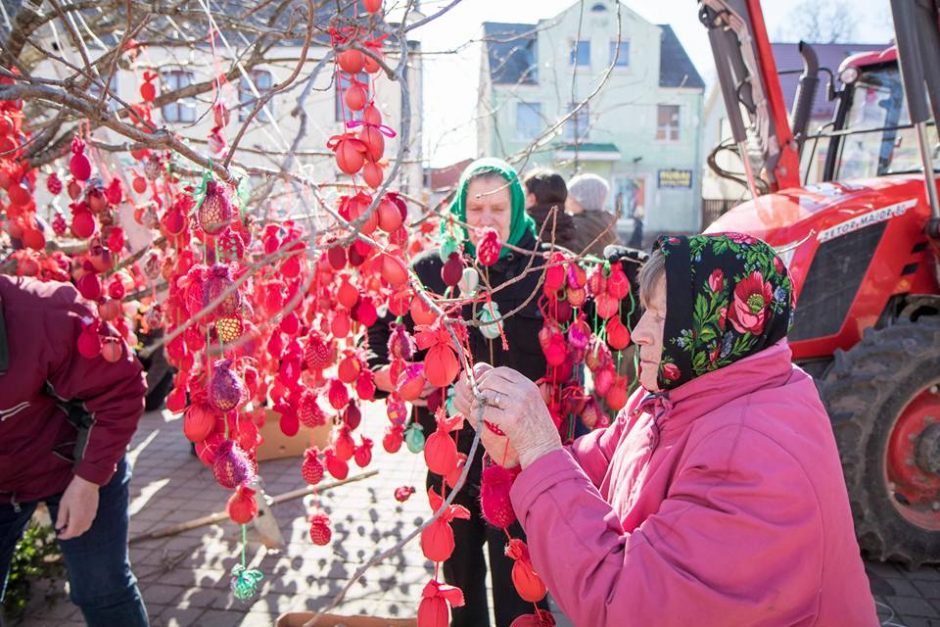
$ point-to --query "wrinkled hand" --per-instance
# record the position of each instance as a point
(514, 405)
(77, 508)
(496, 445)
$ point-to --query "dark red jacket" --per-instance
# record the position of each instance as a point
(40, 368)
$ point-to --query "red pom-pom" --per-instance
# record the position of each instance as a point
(495, 504)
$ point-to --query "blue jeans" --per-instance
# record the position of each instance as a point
(100, 577)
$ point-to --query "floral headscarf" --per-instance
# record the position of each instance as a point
(728, 296)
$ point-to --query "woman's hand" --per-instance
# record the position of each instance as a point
(383, 381)
(514, 405)
(498, 446)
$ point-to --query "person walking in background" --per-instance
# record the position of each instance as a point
(65, 423)
(636, 238)
(594, 226)
(545, 198)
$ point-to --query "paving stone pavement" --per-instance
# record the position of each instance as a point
(184, 578)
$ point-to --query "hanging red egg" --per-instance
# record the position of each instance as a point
(411, 382)
(363, 454)
(372, 115)
(337, 467)
(83, 224)
(372, 6)
(241, 506)
(109, 309)
(372, 137)
(337, 257)
(74, 189)
(351, 61)
(440, 453)
(198, 422)
(344, 446)
(393, 439)
(365, 386)
(421, 313)
(524, 578)
(372, 174)
(89, 286)
(349, 368)
(394, 270)
(618, 285)
(441, 366)
(139, 184)
(33, 238)
(618, 336)
(350, 152)
(337, 394)
(616, 396)
(356, 97)
(80, 167)
(437, 541)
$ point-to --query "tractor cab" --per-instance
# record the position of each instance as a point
(871, 134)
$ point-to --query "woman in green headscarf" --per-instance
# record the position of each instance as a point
(490, 196)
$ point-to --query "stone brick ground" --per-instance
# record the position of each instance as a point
(184, 578)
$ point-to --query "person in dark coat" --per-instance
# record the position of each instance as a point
(490, 195)
(595, 228)
(545, 198)
(65, 423)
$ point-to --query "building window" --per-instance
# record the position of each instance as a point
(344, 113)
(246, 98)
(528, 119)
(182, 109)
(667, 123)
(576, 128)
(581, 53)
(623, 59)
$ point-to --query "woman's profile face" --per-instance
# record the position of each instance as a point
(489, 204)
(648, 335)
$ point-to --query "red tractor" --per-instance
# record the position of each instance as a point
(863, 248)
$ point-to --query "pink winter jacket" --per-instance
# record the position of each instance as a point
(722, 503)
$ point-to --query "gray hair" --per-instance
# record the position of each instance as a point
(652, 271)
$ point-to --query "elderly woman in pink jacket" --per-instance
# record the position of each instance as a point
(717, 497)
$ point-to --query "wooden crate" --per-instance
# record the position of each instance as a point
(276, 445)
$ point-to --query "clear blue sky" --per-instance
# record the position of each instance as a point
(451, 79)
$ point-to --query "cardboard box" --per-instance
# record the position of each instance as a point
(276, 445)
(297, 619)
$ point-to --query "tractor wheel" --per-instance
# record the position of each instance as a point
(884, 403)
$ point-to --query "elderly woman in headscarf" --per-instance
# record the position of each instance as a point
(490, 196)
(717, 496)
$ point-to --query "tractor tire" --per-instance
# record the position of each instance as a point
(869, 392)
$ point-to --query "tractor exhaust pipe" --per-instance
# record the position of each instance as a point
(805, 95)
(917, 31)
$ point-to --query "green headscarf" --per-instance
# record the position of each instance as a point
(520, 222)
